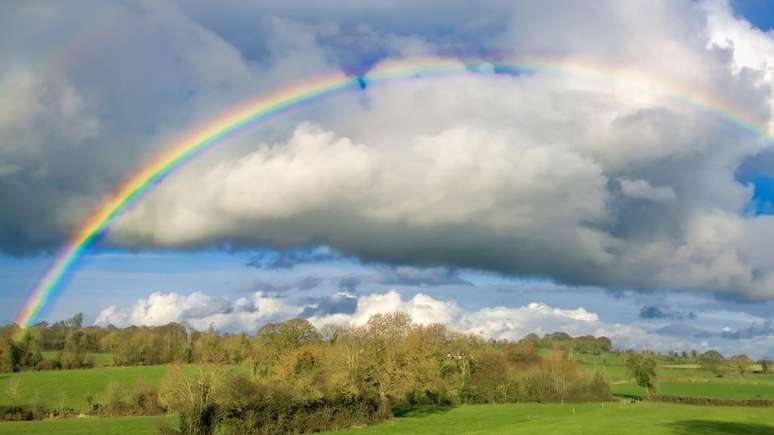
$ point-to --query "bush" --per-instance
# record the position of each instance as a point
(144, 400)
(48, 364)
(113, 400)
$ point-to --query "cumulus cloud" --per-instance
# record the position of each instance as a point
(199, 311)
(586, 181)
(641, 189)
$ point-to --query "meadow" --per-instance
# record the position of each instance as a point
(687, 380)
(70, 388)
(622, 418)
(88, 426)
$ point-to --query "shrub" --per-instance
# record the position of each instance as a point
(144, 399)
(48, 364)
(113, 400)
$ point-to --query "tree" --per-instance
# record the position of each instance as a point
(765, 367)
(9, 356)
(741, 363)
(193, 396)
(713, 361)
(642, 368)
(73, 356)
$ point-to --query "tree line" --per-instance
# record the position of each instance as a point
(300, 379)
(68, 344)
(291, 377)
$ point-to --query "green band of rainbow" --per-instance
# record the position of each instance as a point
(215, 131)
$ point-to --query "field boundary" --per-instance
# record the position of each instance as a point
(704, 401)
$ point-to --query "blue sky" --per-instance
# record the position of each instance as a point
(757, 12)
(499, 204)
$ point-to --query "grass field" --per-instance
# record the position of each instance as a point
(681, 380)
(88, 426)
(731, 389)
(69, 388)
(616, 418)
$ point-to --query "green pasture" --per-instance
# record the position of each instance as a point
(88, 426)
(69, 388)
(615, 418)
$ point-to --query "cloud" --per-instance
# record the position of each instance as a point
(641, 189)
(587, 182)
(339, 303)
(199, 311)
(413, 276)
(765, 329)
(287, 259)
(683, 330)
(654, 312)
(350, 283)
(302, 284)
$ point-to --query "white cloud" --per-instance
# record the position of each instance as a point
(199, 311)
(751, 49)
(111, 315)
(641, 189)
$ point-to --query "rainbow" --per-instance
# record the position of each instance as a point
(215, 131)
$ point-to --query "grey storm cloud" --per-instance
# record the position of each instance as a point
(654, 312)
(414, 276)
(287, 259)
(586, 183)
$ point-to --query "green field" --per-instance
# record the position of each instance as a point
(686, 380)
(731, 389)
(88, 426)
(616, 418)
(69, 388)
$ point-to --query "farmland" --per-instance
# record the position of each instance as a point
(70, 388)
(615, 418)
(88, 396)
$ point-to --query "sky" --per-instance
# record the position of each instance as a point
(499, 202)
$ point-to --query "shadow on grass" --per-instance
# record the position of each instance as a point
(714, 427)
(419, 411)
